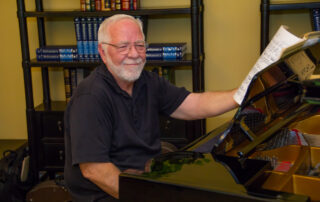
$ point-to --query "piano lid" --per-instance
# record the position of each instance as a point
(275, 97)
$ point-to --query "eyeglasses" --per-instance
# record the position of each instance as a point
(124, 48)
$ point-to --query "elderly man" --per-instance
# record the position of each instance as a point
(111, 122)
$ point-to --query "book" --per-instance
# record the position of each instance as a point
(57, 49)
(165, 56)
(167, 47)
(117, 4)
(82, 5)
(92, 5)
(90, 38)
(73, 79)
(125, 5)
(282, 44)
(165, 72)
(84, 39)
(315, 19)
(113, 5)
(95, 29)
(98, 5)
(58, 57)
(88, 5)
(106, 5)
(78, 31)
(67, 84)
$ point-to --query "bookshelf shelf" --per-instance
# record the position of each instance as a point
(77, 13)
(266, 7)
(45, 121)
(293, 6)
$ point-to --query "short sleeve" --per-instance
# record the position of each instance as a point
(170, 96)
(90, 130)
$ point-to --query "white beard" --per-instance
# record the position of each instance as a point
(124, 73)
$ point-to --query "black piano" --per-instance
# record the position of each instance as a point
(269, 151)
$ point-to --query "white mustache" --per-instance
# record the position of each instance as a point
(132, 62)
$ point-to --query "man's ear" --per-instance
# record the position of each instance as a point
(102, 53)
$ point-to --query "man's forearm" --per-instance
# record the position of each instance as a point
(204, 105)
(104, 175)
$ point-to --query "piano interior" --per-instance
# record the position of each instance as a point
(279, 123)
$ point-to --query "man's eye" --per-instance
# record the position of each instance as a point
(123, 46)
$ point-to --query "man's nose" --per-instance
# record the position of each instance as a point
(133, 52)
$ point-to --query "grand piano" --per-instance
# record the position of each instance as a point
(269, 151)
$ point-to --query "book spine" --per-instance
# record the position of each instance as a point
(98, 5)
(73, 80)
(172, 49)
(67, 84)
(78, 31)
(58, 57)
(172, 55)
(113, 4)
(118, 4)
(315, 18)
(92, 5)
(154, 50)
(95, 28)
(168, 73)
(136, 4)
(88, 5)
(47, 51)
(90, 38)
(106, 5)
(68, 57)
(84, 30)
(125, 5)
(165, 56)
(83, 5)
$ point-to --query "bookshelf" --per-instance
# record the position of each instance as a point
(267, 7)
(45, 122)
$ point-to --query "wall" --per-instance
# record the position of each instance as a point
(232, 34)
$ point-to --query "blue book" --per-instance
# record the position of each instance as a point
(84, 30)
(58, 57)
(95, 24)
(166, 47)
(57, 49)
(90, 38)
(315, 18)
(165, 56)
(78, 32)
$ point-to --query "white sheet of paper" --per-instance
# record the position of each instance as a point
(280, 41)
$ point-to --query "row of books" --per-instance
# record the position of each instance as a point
(86, 29)
(109, 5)
(315, 19)
(166, 51)
(165, 72)
(57, 53)
(155, 51)
(72, 78)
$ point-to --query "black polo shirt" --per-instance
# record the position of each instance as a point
(105, 124)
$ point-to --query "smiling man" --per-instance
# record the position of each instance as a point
(112, 120)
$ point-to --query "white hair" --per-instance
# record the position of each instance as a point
(104, 34)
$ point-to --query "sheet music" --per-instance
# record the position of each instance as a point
(281, 40)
